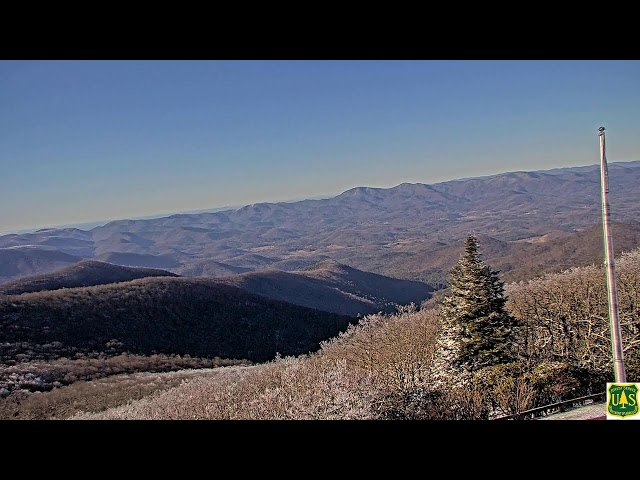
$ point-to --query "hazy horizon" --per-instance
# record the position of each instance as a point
(92, 224)
(91, 140)
(95, 223)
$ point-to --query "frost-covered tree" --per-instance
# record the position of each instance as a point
(477, 331)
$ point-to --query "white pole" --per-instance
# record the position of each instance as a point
(616, 337)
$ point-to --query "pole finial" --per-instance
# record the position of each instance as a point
(601, 129)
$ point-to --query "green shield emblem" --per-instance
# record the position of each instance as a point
(623, 399)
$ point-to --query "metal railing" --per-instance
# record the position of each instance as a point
(554, 407)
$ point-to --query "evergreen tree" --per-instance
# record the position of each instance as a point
(476, 330)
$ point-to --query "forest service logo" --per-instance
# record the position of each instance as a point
(622, 401)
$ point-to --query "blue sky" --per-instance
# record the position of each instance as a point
(86, 141)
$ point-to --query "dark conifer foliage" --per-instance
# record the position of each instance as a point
(476, 304)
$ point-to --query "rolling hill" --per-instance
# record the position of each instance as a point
(83, 274)
(128, 259)
(210, 268)
(333, 287)
(198, 317)
(18, 262)
(516, 260)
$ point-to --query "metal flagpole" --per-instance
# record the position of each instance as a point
(616, 337)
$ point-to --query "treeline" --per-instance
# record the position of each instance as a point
(95, 395)
(383, 367)
(565, 317)
(43, 376)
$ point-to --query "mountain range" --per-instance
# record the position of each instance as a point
(280, 278)
(412, 231)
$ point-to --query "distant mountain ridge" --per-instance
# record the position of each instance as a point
(591, 168)
(527, 258)
(391, 231)
(83, 274)
(18, 262)
(333, 287)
